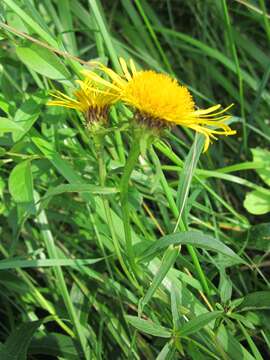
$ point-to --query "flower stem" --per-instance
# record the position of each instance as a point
(98, 140)
(130, 164)
(199, 270)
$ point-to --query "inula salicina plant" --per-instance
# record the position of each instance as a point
(127, 231)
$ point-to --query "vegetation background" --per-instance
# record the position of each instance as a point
(64, 294)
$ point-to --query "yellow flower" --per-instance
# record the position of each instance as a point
(88, 99)
(160, 100)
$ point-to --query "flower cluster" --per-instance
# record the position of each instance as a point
(157, 100)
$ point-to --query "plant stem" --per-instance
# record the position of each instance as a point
(199, 270)
(130, 164)
(102, 178)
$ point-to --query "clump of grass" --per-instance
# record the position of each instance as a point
(120, 241)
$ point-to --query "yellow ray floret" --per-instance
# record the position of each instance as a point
(88, 96)
(162, 98)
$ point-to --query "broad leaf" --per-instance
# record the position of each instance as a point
(259, 237)
(25, 117)
(18, 341)
(42, 61)
(257, 203)
(7, 125)
(55, 344)
(262, 156)
(21, 183)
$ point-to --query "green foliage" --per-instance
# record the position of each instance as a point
(258, 203)
(18, 341)
(192, 282)
(42, 61)
(21, 182)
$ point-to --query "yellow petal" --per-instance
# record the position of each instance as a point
(132, 67)
(206, 111)
(125, 68)
(219, 112)
(98, 79)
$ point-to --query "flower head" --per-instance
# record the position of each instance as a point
(88, 99)
(160, 100)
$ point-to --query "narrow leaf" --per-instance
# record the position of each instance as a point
(194, 238)
(148, 327)
(198, 323)
(80, 188)
(17, 263)
(257, 300)
(167, 262)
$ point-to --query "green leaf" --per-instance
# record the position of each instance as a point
(262, 156)
(251, 343)
(13, 282)
(211, 52)
(257, 203)
(55, 344)
(167, 262)
(62, 166)
(195, 352)
(30, 20)
(81, 188)
(16, 22)
(259, 237)
(148, 327)
(42, 61)
(4, 104)
(225, 287)
(258, 300)
(194, 238)
(7, 125)
(4, 353)
(25, 117)
(18, 263)
(21, 183)
(2, 151)
(231, 345)
(198, 323)
(167, 352)
(18, 341)
(187, 172)
(176, 302)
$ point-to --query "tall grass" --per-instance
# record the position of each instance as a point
(197, 223)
